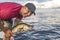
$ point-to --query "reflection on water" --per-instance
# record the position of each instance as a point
(50, 32)
(37, 35)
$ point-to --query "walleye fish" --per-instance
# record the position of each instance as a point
(22, 27)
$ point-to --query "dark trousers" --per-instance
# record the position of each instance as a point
(7, 23)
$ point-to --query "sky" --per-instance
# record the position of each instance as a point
(39, 3)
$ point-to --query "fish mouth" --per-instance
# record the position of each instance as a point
(22, 27)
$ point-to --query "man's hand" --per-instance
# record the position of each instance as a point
(8, 33)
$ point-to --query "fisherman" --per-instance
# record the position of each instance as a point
(9, 10)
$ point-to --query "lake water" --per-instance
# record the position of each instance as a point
(46, 26)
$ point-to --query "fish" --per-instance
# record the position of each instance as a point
(22, 27)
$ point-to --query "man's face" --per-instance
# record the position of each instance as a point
(25, 11)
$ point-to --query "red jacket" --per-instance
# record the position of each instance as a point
(9, 10)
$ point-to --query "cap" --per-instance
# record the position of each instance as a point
(31, 7)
